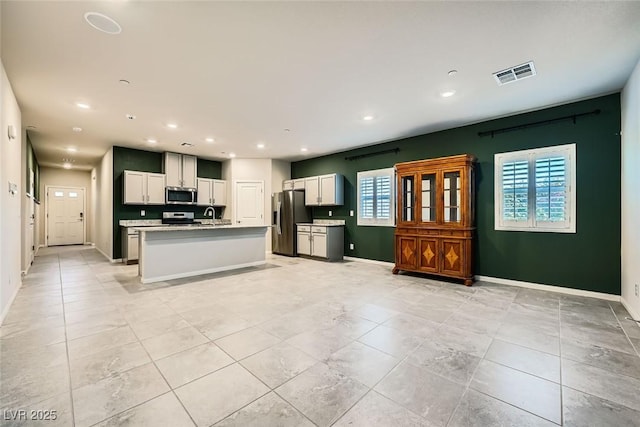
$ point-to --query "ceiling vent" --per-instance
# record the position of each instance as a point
(513, 74)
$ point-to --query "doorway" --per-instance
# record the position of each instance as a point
(249, 203)
(65, 210)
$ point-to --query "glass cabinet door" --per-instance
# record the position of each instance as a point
(452, 197)
(428, 199)
(408, 196)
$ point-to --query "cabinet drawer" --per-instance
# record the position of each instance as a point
(316, 229)
(304, 228)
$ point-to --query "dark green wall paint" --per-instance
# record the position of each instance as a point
(147, 161)
(588, 259)
(32, 164)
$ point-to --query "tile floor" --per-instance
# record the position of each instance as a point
(304, 343)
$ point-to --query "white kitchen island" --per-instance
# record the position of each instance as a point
(176, 251)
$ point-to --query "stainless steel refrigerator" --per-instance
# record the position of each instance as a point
(288, 210)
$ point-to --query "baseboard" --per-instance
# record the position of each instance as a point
(112, 261)
(550, 288)
(5, 311)
(370, 261)
(630, 309)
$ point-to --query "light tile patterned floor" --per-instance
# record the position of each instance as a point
(303, 343)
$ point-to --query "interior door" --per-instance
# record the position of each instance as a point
(65, 213)
(249, 206)
(32, 219)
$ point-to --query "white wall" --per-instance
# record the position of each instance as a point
(272, 172)
(11, 168)
(630, 196)
(102, 204)
(58, 177)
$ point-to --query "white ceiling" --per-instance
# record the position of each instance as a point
(243, 72)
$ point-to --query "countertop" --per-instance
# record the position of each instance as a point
(324, 223)
(158, 222)
(194, 227)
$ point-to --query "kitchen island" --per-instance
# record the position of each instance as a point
(177, 251)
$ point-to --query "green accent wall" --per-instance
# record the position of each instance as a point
(588, 259)
(148, 161)
(32, 164)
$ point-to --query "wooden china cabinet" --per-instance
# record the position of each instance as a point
(436, 218)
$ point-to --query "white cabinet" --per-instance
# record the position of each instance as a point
(181, 170)
(304, 240)
(321, 241)
(143, 188)
(293, 184)
(130, 241)
(324, 190)
(212, 192)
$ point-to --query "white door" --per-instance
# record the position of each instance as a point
(65, 213)
(32, 218)
(249, 203)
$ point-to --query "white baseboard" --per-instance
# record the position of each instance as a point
(630, 309)
(5, 311)
(111, 260)
(550, 288)
(370, 261)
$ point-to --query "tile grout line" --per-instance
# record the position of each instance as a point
(624, 331)
(560, 359)
(66, 343)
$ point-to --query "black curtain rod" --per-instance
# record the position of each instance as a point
(376, 153)
(542, 122)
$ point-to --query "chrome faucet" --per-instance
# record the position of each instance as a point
(213, 212)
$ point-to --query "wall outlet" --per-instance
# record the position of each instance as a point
(330, 213)
(636, 289)
(351, 213)
(352, 246)
(143, 212)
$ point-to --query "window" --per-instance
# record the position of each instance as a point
(535, 190)
(376, 197)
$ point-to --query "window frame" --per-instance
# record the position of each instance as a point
(375, 174)
(568, 151)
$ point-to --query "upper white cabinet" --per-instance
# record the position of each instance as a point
(143, 188)
(293, 184)
(324, 190)
(212, 192)
(181, 170)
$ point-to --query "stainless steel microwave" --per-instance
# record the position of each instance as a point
(181, 196)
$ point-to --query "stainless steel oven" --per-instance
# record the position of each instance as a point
(181, 196)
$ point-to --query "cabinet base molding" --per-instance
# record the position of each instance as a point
(468, 281)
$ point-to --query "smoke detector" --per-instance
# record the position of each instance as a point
(516, 73)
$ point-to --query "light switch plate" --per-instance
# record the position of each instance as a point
(143, 212)
(330, 213)
(351, 213)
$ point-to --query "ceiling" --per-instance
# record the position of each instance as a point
(294, 75)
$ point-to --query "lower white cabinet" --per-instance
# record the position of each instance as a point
(321, 241)
(130, 240)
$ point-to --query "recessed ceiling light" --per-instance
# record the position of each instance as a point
(102, 23)
(67, 165)
(83, 105)
(452, 72)
(76, 129)
(130, 116)
(304, 150)
(232, 155)
(367, 118)
(260, 145)
(448, 93)
(209, 139)
(72, 149)
(152, 140)
(172, 125)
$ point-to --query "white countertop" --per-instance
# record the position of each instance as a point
(194, 227)
(324, 223)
